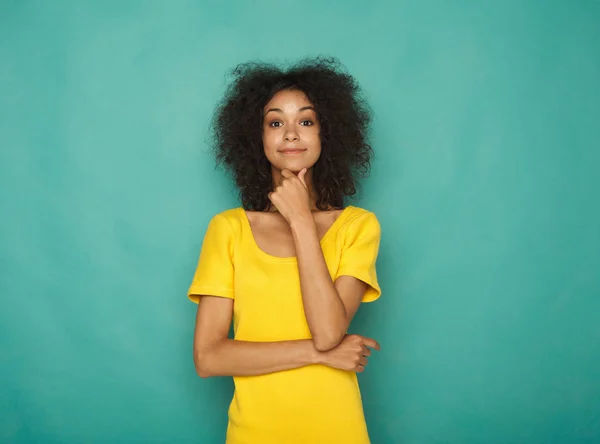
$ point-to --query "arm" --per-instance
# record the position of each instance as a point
(329, 306)
(216, 355)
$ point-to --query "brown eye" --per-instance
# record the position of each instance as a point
(275, 124)
(306, 123)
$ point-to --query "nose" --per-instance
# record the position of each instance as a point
(291, 136)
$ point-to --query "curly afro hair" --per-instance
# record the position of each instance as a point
(343, 115)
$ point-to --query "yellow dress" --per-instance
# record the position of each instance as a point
(314, 404)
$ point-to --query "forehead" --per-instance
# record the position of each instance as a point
(288, 100)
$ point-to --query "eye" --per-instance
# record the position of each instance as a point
(275, 124)
(307, 123)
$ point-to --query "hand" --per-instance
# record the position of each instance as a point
(291, 196)
(351, 354)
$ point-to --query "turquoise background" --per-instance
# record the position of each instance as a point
(485, 181)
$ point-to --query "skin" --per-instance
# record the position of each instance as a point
(290, 121)
(292, 226)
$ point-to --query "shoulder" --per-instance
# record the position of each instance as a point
(361, 217)
(230, 215)
(229, 220)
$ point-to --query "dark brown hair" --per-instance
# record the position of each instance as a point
(343, 114)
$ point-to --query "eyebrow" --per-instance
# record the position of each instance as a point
(304, 108)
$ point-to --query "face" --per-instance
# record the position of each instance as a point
(291, 132)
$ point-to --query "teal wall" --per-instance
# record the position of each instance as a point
(485, 181)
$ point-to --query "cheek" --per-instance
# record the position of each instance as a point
(268, 141)
(316, 140)
(311, 134)
(270, 147)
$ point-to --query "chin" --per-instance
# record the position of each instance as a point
(294, 167)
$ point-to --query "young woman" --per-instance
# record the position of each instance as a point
(292, 265)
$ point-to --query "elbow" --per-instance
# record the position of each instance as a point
(201, 363)
(326, 342)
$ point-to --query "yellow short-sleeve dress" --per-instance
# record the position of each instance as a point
(314, 404)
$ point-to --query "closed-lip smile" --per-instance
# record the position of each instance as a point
(291, 150)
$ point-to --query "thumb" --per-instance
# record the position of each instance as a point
(371, 343)
(301, 175)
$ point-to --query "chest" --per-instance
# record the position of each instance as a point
(273, 234)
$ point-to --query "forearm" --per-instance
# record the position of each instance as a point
(231, 357)
(323, 307)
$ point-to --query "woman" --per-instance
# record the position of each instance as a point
(292, 265)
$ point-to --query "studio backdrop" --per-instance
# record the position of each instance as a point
(485, 180)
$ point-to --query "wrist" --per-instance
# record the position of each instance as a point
(316, 356)
(302, 218)
(302, 224)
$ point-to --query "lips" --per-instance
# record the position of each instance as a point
(292, 150)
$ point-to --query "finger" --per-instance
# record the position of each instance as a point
(363, 361)
(301, 175)
(286, 173)
(366, 351)
(372, 343)
(359, 369)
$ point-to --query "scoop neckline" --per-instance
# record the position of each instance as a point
(294, 259)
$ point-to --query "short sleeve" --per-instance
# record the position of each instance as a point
(214, 272)
(359, 255)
